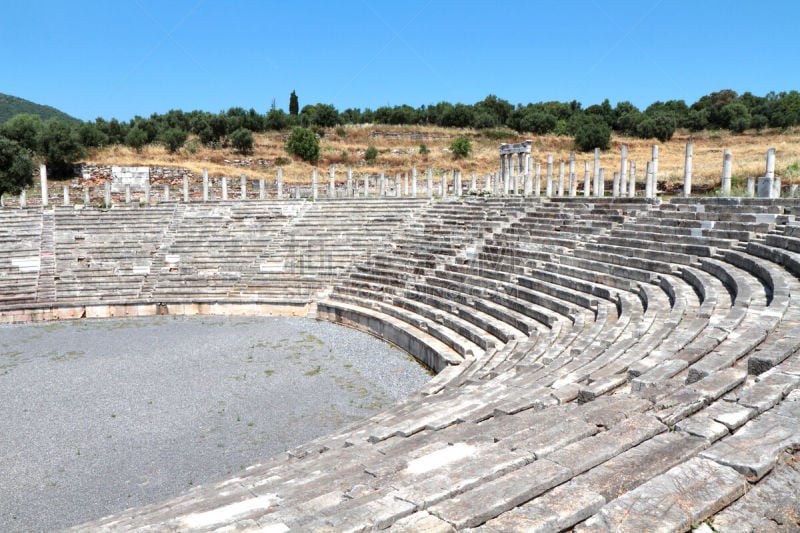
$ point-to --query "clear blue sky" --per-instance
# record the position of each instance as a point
(136, 57)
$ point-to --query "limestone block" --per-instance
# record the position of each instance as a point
(674, 501)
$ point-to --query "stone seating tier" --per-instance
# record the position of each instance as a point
(602, 364)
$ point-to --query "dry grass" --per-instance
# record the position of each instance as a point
(398, 152)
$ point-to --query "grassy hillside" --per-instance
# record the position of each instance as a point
(12, 105)
(398, 148)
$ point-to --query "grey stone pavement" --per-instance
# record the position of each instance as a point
(100, 415)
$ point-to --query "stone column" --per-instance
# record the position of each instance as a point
(548, 187)
(331, 182)
(727, 165)
(224, 188)
(243, 187)
(186, 189)
(596, 174)
(382, 185)
(473, 184)
(43, 182)
(776, 188)
(366, 185)
(349, 181)
(751, 187)
(457, 184)
(262, 189)
(615, 185)
(147, 193)
(297, 191)
(648, 181)
(414, 181)
(205, 185)
(406, 190)
(23, 198)
(587, 182)
(488, 181)
(527, 186)
(561, 178)
(687, 171)
(314, 176)
(107, 197)
(623, 170)
(66, 195)
(429, 172)
(601, 178)
(279, 183)
(766, 183)
(537, 182)
(502, 166)
(655, 169)
(444, 184)
(572, 184)
(127, 193)
(632, 180)
(86, 199)
(507, 183)
(166, 193)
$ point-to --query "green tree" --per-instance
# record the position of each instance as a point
(173, 139)
(304, 144)
(136, 138)
(16, 167)
(24, 129)
(294, 105)
(659, 125)
(461, 147)
(325, 116)
(592, 132)
(371, 155)
(276, 120)
(242, 140)
(60, 146)
(91, 136)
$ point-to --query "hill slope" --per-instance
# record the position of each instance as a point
(13, 105)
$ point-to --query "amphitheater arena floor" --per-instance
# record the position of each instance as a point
(100, 415)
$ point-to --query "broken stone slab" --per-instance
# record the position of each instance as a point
(658, 375)
(773, 504)
(702, 426)
(674, 501)
(730, 414)
(559, 509)
(487, 501)
(754, 448)
(768, 390)
(421, 522)
(590, 452)
(630, 469)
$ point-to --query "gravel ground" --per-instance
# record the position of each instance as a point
(100, 415)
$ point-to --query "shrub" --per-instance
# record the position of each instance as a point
(371, 155)
(60, 146)
(16, 168)
(276, 120)
(423, 149)
(591, 133)
(304, 144)
(341, 132)
(242, 140)
(173, 139)
(461, 147)
(136, 138)
(661, 126)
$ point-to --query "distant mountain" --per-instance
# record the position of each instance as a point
(12, 105)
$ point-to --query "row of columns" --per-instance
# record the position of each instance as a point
(514, 167)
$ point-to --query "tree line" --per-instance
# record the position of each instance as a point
(59, 143)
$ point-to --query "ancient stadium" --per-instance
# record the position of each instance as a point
(605, 363)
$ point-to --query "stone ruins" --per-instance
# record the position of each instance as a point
(603, 363)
